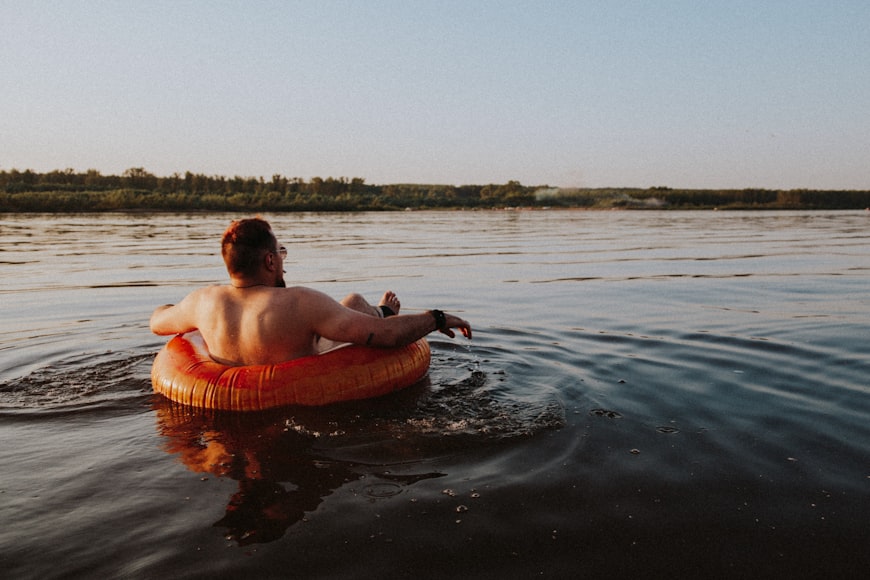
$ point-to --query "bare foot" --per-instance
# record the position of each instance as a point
(390, 301)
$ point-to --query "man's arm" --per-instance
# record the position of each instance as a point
(335, 322)
(174, 319)
(405, 329)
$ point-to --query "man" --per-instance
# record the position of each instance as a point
(257, 320)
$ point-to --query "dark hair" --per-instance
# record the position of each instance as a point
(243, 244)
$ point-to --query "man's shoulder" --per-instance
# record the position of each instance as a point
(212, 290)
(210, 294)
(309, 297)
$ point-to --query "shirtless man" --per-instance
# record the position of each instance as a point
(257, 320)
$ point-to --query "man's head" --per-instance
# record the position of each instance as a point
(250, 249)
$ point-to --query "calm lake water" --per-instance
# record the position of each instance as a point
(648, 394)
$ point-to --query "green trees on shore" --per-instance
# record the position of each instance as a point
(138, 189)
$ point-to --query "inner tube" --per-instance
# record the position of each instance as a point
(184, 372)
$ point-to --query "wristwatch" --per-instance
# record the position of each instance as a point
(440, 319)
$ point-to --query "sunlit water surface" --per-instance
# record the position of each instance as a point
(646, 394)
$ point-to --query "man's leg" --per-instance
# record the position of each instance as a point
(360, 304)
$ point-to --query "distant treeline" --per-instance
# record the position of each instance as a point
(137, 189)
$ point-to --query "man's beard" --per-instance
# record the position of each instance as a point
(280, 283)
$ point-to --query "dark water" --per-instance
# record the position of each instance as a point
(647, 395)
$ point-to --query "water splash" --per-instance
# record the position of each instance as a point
(80, 384)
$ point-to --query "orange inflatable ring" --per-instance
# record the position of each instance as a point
(184, 372)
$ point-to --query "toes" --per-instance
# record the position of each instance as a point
(391, 300)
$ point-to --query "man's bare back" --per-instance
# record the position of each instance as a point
(266, 325)
(256, 320)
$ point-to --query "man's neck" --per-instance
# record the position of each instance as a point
(242, 283)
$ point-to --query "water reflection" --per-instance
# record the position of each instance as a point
(287, 461)
(281, 476)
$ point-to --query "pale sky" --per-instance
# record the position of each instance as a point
(574, 93)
